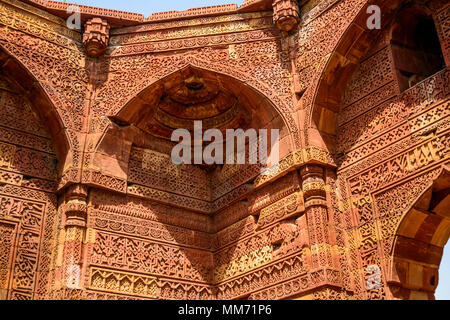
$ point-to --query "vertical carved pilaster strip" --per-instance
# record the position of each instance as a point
(75, 211)
(316, 211)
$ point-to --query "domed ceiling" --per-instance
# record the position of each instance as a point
(187, 96)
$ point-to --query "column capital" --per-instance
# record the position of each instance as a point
(75, 205)
(313, 185)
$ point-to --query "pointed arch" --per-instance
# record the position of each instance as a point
(281, 107)
(356, 41)
(41, 103)
(419, 242)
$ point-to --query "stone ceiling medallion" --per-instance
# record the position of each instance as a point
(194, 83)
(193, 90)
(193, 95)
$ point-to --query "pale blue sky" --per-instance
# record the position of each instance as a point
(443, 290)
(147, 7)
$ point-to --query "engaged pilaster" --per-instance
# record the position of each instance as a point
(323, 257)
(75, 213)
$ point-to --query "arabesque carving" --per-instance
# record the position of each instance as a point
(93, 207)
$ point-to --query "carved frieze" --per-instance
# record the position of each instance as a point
(127, 223)
(123, 283)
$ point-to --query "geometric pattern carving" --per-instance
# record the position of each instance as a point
(7, 153)
(281, 210)
(166, 260)
(92, 126)
(27, 206)
(123, 283)
(24, 281)
(7, 242)
(243, 264)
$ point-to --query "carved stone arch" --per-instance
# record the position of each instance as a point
(32, 142)
(357, 40)
(41, 102)
(283, 107)
(343, 61)
(123, 130)
(419, 241)
(240, 78)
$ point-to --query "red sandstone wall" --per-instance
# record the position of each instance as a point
(28, 180)
(357, 155)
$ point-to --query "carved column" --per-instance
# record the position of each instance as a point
(285, 14)
(316, 212)
(323, 258)
(75, 214)
(96, 37)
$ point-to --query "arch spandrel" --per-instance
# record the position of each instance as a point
(135, 80)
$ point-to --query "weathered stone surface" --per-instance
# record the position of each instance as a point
(96, 37)
(92, 206)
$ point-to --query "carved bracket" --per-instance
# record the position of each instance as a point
(96, 37)
(285, 14)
